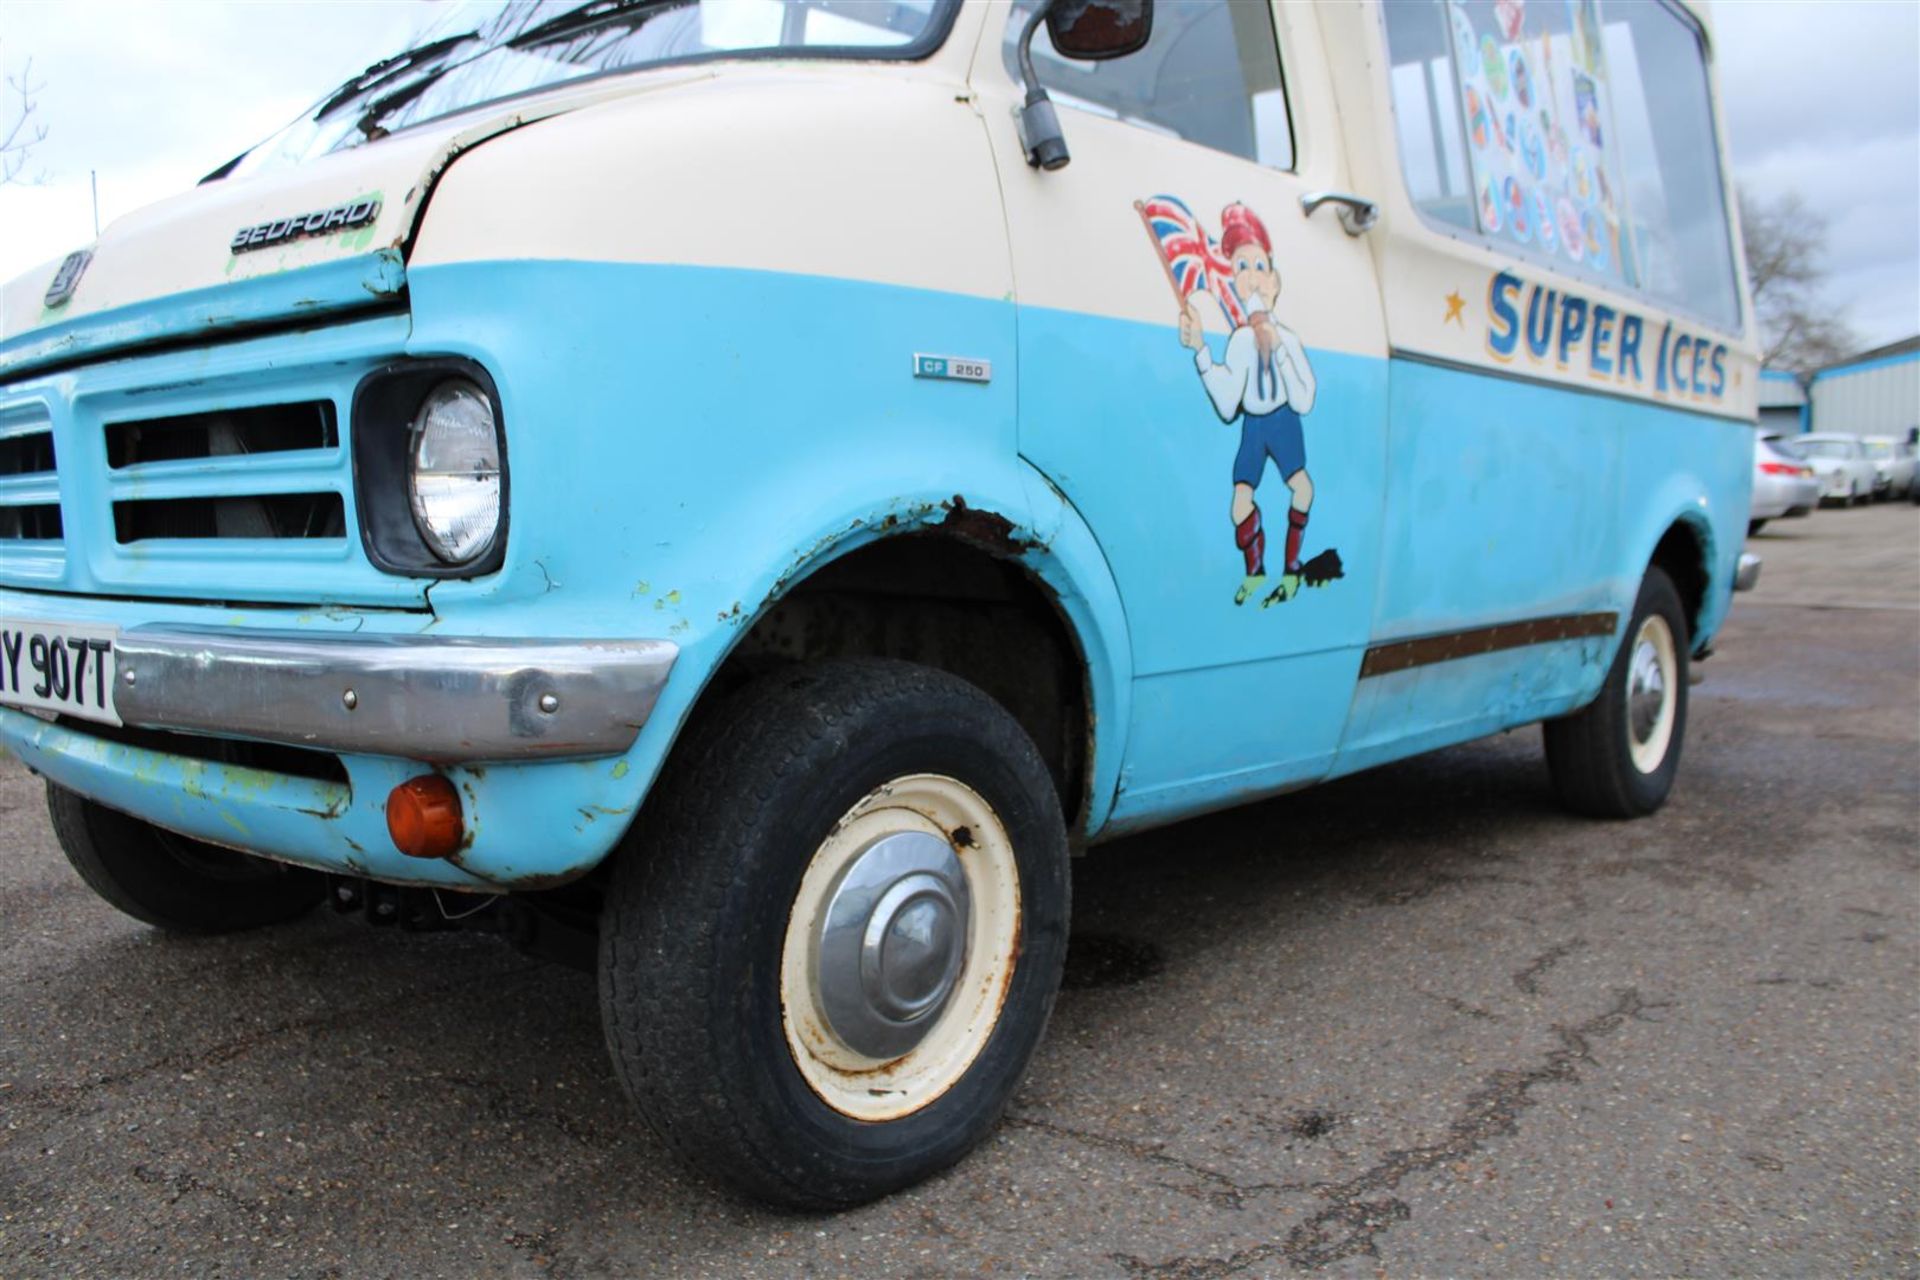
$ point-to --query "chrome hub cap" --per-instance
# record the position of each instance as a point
(892, 942)
(1646, 691)
(1652, 669)
(900, 947)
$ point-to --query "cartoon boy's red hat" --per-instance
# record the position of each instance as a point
(1239, 226)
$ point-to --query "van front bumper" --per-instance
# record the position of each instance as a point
(433, 698)
(544, 794)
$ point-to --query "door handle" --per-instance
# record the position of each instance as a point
(1357, 216)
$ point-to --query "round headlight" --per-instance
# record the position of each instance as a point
(454, 483)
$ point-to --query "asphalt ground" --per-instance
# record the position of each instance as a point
(1417, 1022)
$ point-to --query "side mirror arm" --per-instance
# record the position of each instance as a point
(1040, 135)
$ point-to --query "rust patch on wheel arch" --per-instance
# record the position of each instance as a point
(988, 530)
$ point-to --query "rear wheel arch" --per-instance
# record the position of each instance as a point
(1685, 553)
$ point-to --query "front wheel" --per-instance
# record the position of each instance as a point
(832, 941)
(173, 882)
(1616, 758)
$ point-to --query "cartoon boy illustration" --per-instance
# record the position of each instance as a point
(1265, 382)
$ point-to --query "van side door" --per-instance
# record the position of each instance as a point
(1202, 376)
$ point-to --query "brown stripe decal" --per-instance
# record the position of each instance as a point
(1401, 655)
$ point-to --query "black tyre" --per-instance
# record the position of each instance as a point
(1616, 758)
(173, 882)
(835, 934)
(1755, 526)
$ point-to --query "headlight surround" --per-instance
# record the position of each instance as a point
(432, 410)
(453, 476)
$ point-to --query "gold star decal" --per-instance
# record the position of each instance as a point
(1456, 309)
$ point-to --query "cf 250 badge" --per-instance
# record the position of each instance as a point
(342, 217)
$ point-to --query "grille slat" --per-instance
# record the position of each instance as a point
(29, 484)
(39, 523)
(275, 515)
(226, 433)
(228, 473)
(27, 453)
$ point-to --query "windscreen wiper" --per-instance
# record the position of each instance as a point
(590, 14)
(386, 68)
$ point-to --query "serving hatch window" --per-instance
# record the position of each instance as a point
(1579, 131)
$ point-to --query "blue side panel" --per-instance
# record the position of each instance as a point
(1503, 502)
(317, 292)
(1425, 708)
(1510, 500)
(1208, 739)
(1230, 698)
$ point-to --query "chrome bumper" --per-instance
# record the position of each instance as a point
(432, 698)
(1747, 574)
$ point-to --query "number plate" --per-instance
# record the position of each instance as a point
(57, 666)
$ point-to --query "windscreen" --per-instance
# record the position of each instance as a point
(480, 51)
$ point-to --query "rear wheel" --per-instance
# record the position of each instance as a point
(1616, 758)
(833, 940)
(171, 881)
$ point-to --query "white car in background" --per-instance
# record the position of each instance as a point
(1784, 483)
(1840, 461)
(1893, 460)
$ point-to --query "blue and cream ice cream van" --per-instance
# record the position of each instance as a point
(744, 491)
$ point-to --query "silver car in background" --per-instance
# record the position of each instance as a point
(1840, 461)
(1893, 460)
(1784, 483)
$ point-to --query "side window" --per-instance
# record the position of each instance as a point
(1676, 200)
(1210, 74)
(1424, 117)
(1537, 125)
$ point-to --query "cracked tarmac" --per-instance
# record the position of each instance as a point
(1413, 1022)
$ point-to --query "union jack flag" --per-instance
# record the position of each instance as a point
(1193, 261)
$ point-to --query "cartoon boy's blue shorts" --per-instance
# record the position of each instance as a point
(1275, 435)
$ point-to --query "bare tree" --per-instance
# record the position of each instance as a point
(1786, 243)
(19, 131)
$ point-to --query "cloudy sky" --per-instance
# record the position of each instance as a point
(1821, 97)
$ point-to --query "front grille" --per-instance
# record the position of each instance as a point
(216, 474)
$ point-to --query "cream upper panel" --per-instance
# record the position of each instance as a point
(864, 172)
(1460, 296)
(186, 241)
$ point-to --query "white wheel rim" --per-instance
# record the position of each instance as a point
(1653, 674)
(887, 1088)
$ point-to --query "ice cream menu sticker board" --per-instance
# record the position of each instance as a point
(1536, 103)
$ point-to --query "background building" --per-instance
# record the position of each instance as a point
(1876, 393)
(1783, 403)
